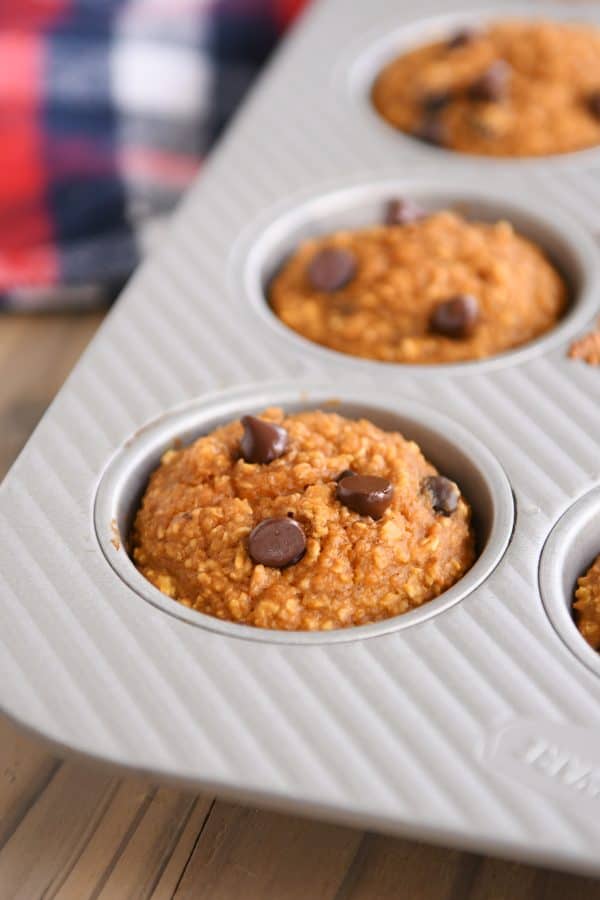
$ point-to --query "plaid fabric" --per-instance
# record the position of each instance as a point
(107, 108)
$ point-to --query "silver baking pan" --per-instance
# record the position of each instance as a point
(474, 721)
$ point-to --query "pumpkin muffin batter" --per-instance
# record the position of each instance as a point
(301, 522)
(587, 347)
(421, 289)
(587, 604)
(517, 88)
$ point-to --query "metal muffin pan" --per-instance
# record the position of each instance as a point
(477, 726)
(454, 451)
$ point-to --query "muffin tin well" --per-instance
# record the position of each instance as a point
(456, 453)
(571, 548)
(271, 241)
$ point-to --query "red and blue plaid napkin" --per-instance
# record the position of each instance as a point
(107, 108)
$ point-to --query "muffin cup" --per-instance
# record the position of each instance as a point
(452, 449)
(569, 247)
(357, 71)
(571, 548)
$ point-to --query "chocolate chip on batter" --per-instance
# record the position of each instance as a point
(456, 317)
(463, 37)
(493, 84)
(403, 211)
(347, 473)
(443, 492)
(435, 101)
(262, 442)
(368, 495)
(277, 542)
(593, 104)
(331, 269)
(431, 131)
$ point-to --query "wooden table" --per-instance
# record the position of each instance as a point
(72, 832)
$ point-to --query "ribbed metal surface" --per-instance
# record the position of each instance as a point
(391, 732)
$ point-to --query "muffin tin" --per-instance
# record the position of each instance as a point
(473, 721)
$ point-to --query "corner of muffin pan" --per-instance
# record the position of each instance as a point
(270, 241)
(355, 74)
(570, 549)
(453, 449)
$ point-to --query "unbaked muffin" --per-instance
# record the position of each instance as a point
(302, 522)
(515, 88)
(421, 288)
(586, 605)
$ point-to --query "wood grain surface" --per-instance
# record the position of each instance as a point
(73, 833)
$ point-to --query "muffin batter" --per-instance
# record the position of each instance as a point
(422, 289)
(587, 348)
(334, 523)
(587, 604)
(517, 88)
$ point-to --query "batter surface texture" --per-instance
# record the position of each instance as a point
(192, 533)
(517, 88)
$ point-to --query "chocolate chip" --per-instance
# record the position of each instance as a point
(493, 84)
(277, 542)
(463, 37)
(347, 473)
(435, 101)
(262, 442)
(456, 317)
(431, 131)
(593, 103)
(368, 495)
(331, 269)
(443, 492)
(403, 211)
